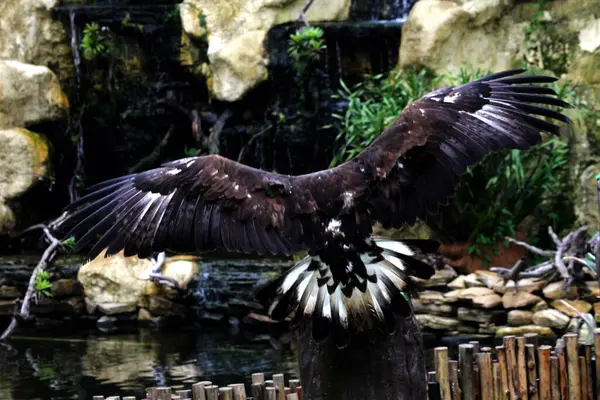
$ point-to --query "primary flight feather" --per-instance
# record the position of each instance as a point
(350, 281)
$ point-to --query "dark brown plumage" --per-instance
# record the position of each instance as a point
(349, 281)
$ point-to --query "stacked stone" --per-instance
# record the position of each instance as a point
(482, 303)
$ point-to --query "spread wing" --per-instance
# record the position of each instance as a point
(435, 139)
(205, 203)
(209, 202)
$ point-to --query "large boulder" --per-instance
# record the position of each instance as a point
(235, 31)
(28, 33)
(29, 94)
(23, 163)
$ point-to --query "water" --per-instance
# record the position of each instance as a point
(81, 365)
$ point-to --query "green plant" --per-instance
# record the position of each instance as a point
(305, 46)
(43, 284)
(94, 42)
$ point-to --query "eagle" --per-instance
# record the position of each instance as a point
(350, 281)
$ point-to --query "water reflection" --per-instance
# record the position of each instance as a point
(78, 367)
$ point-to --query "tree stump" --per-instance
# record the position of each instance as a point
(373, 366)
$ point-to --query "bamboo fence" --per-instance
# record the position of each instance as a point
(519, 368)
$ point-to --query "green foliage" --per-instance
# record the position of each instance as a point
(494, 197)
(305, 46)
(43, 284)
(69, 243)
(94, 41)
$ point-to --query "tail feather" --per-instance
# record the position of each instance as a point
(310, 291)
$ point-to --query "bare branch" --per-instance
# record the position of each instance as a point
(302, 16)
(533, 249)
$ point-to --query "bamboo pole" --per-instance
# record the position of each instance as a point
(225, 393)
(184, 394)
(441, 370)
(522, 368)
(271, 393)
(562, 369)
(573, 366)
(198, 390)
(279, 384)
(453, 378)
(511, 367)
(554, 378)
(533, 390)
(212, 392)
(544, 371)
(465, 359)
(501, 355)
(583, 376)
(497, 372)
(484, 362)
(587, 348)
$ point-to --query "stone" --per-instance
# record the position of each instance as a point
(115, 279)
(24, 161)
(519, 317)
(7, 307)
(519, 299)
(467, 294)
(30, 34)
(542, 331)
(488, 301)
(592, 287)
(144, 315)
(464, 328)
(106, 322)
(551, 318)
(116, 308)
(162, 307)
(431, 297)
(558, 290)
(441, 277)
(472, 280)
(489, 278)
(90, 306)
(66, 288)
(257, 319)
(528, 285)
(487, 329)
(572, 307)
(235, 31)
(585, 195)
(182, 268)
(458, 282)
(437, 322)
(435, 309)
(539, 306)
(9, 292)
(474, 315)
(29, 94)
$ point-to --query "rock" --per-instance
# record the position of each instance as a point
(539, 306)
(163, 307)
(440, 278)
(488, 301)
(487, 329)
(30, 34)
(90, 306)
(524, 285)
(543, 331)
(472, 280)
(489, 278)
(558, 290)
(464, 328)
(437, 322)
(106, 323)
(115, 279)
(235, 31)
(592, 287)
(435, 309)
(9, 292)
(257, 319)
(519, 300)
(473, 315)
(24, 161)
(467, 294)
(182, 268)
(63, 307)
(116, 308)
(33, 96)
(431, 297)
(519, 317)
(551, 318)
(7, 307)
(144, 315)
(575, 306)
(66, 288)
(585, 194)
(458, 282)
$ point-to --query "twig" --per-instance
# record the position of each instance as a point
(151, 158)
(511, 274)
(252, 139)
(533, 249)
(554, 237)
(213, 139)
(302, 16)
(44, 262)
(558, 257)
(157, 277)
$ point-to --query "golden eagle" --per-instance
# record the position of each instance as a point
(350, 281)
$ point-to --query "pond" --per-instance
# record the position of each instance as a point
(84, 364)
